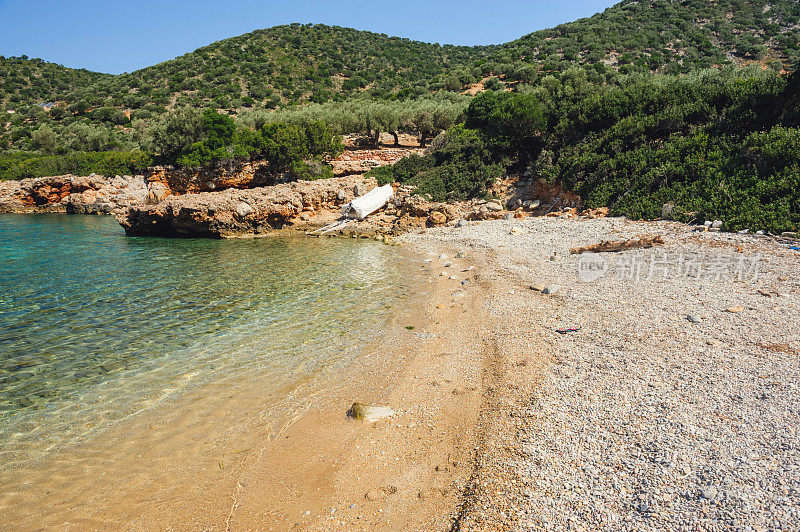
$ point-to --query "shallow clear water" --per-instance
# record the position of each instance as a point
(95, 326)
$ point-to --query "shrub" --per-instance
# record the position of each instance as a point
(21, 166)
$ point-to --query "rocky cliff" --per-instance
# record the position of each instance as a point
(235, 212)
(84, 195)
(241, 173)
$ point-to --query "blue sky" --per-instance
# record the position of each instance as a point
(120, 36)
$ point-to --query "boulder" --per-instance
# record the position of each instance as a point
(437, 218)
(243, 209)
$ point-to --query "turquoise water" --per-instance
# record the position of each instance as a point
(96, 326)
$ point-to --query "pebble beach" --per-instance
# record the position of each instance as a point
(650, 389)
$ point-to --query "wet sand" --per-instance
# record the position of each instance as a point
(216, 461)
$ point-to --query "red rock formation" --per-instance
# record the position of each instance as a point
(234, 174)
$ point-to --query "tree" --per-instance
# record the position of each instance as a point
(44, 139)
(173, 134)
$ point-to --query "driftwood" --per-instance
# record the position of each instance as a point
(605, 246)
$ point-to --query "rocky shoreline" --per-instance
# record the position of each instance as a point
(95, 194)
(240, 199)
(76, 194)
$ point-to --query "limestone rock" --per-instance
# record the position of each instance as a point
(69, 193)
(243, 209)
(235, 212)
(437, 218)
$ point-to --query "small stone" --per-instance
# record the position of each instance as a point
(494, 206)
(243, 209)
(708, 493)
(459, 255)
(707, 223)
(437, 218)
(539, 287)
(443, 257)
(551, 289)
(340, 195)
(744, 231)
(461, 222)
(516, 230)
(359, 190)
(735, 309)
(453, 278)
(713, 342)
(694, 318)
(369, 414)
(716, 224)
(759, 232)
(508, 216)
(465, 282)
(789, 234)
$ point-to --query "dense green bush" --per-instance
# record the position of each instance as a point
(188, 137)
(21, 166)
(715, 144)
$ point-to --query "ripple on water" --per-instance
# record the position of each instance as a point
(95, 326)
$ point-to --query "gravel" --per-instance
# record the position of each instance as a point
(646, 418)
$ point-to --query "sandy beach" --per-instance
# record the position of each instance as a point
(215, 461)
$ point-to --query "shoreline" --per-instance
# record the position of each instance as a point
(241, 470)
(666, 404)
(639, 419)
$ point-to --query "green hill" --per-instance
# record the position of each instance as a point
(25, 82)
(276, 66)
(295, 64)
(664, 36)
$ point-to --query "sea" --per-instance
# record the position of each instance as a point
(97, 327)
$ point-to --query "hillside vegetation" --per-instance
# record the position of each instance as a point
(297, 63)
(685, 103)
(714, 144)
(664, 36)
